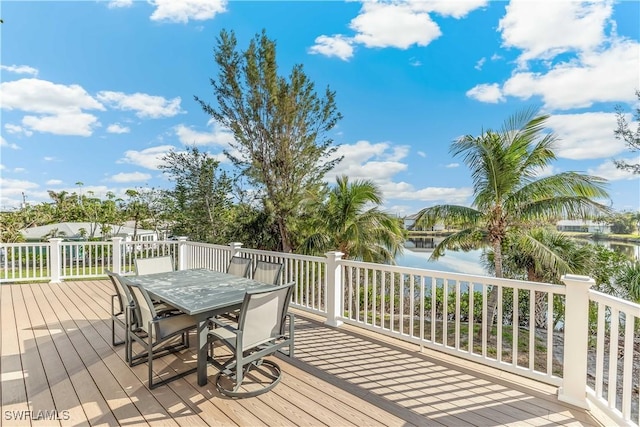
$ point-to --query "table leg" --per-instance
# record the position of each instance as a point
(203, 332)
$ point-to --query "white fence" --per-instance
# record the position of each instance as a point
(580, 340)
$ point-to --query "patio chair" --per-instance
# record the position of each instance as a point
(122, 299)
(239, 266)
(260, 332)
(119, 301)
(267, 272)
(155, 332)
(160, 264)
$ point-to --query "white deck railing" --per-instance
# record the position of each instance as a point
(582, 341)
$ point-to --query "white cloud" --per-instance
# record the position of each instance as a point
(336, 45)
(12, 189)
(406, 191)
(422, 154)
(218, 136)
(120, 3)
(480, 63)
(49, 159)
(364, 160)
(490, 93)
(117, 128)
(78, 124)
(582, 82)
(54, 182)
(184, 10)
(393, 25)
(45, 97)
(130, 177)
(19, 69)
(61, 106)
(148, 158)
(5, 143)
(400, 24)
(145, 106)
(586, 135)
(16, 129)
(452, 165)
(455, 9)
(544, 29)
(609, 171)
(380, 162)
(546, 171)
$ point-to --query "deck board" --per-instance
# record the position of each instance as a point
(57, 355)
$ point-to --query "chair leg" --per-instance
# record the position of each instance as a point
(239, 369)
(113, 323)
(150, 355)
(291, 334)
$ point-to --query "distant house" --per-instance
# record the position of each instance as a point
(584, 226)
(81, 231)
(410, 224)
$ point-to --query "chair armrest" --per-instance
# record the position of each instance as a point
(223, 325)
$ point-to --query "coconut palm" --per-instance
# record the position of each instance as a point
(628, 281)
(350, 221)
(543, 255)
(509, 193)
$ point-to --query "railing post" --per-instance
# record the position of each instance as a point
(334, 289)
(55, 259)
(182, 253)
(235, 248)
(576, 340)
(116, 252)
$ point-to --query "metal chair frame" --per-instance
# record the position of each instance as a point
(251, 355)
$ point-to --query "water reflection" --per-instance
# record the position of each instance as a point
(418, 250)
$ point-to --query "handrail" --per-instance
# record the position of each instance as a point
(448, 312)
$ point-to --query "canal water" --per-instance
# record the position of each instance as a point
(418, 251)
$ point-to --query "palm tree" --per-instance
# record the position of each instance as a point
(509, 194)
(543, 255)
(628, 281)
(350, 221)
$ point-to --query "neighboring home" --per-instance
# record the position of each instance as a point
(81, 231)
(584, 226)
(410, 224)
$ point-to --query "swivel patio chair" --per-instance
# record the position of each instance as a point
(155, 332)
(260, 332)
(267, 272)
(160, 264)
(239, 266)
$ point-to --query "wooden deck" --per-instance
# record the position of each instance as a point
(57, 361)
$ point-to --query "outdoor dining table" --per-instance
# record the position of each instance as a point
(200, 293)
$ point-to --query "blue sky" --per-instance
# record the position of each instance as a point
(96, 91)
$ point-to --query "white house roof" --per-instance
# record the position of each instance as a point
(580, 222)
(73, 230)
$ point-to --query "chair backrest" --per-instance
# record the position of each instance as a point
(160, 264)
(124, 296)
(143, 306)
(239, 266)
(267, 272)
(263, 314)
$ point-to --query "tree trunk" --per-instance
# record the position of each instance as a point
(284, 236)
(540, 302)
(492, 300)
